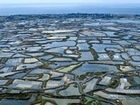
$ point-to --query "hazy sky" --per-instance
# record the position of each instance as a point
(67, 1)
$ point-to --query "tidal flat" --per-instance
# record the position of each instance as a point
(70, 59)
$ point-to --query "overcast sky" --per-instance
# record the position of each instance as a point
(69, 1)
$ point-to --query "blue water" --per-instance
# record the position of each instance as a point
(60, 9)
